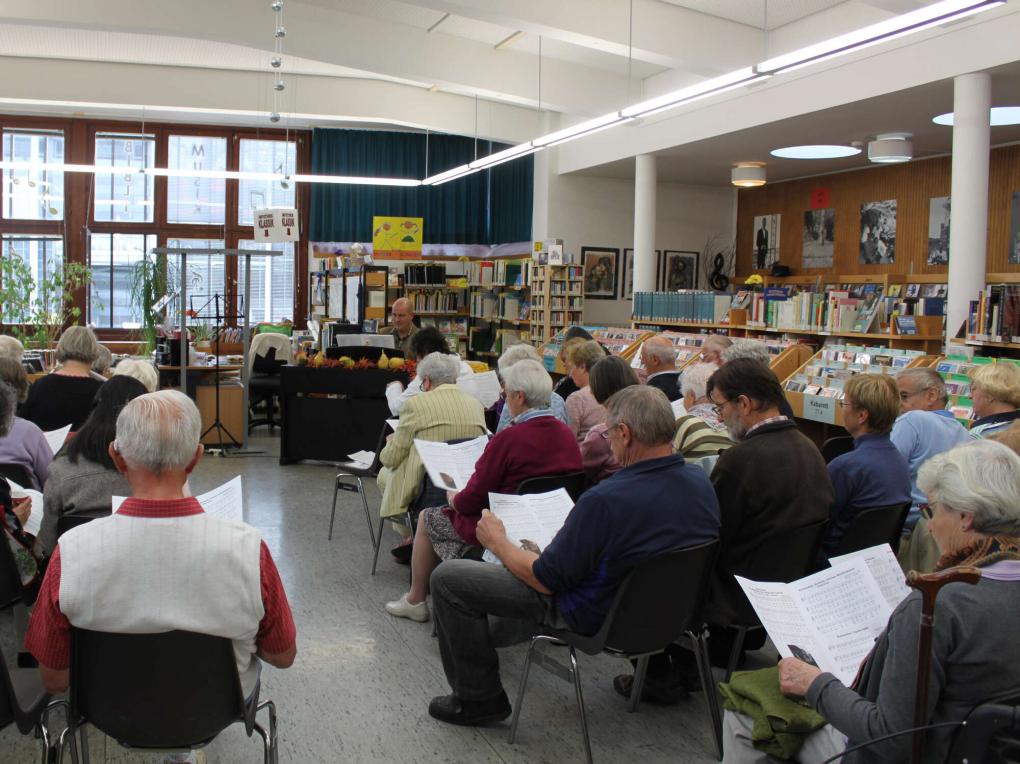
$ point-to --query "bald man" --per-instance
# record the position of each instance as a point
(402, 325)
(659, 358)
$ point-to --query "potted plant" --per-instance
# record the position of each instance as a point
(149, 284)
(38, 309)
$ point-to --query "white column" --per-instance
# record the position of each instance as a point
(968, 227)
(644, 222)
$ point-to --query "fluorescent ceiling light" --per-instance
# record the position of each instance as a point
(61, 167)
(815, 152)
(183, 172)
(581, 128)
(355, 180)
(520, 150)
(447, 175)
(897, 26)
(1001, 115)
(693, 92)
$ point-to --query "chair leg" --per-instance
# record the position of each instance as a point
(519, 700)
(332, 514)
(638, 685)
(708, 688)
(368, 514)
(378, 543)
(274, 740)
(580, 703)
(738, 646)
(84, 744)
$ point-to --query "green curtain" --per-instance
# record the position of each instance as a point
(489, 207)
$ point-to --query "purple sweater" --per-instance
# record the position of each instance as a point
(26, 445)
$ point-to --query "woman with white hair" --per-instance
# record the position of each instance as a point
(510, 356)
(11, 347)
(64, 397)
(700, 432)
(974, 516)
(538, 444)
(143, 371)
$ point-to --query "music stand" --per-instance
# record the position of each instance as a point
(217, 423)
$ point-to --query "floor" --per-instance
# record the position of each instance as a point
(360, 687)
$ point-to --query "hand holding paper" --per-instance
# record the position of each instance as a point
(490, 530)
(33, 524)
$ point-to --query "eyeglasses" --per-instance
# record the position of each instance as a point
(904, 394)
(718, 407)
(605, 433)
(925, 510)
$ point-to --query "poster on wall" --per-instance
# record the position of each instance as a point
(601, 265)
(819, 232)
(627, 272)
(1014, 231)
(396, 238)
(938, 230)
(878, 233)
(766, 241)
(679, 270)
(276, 224)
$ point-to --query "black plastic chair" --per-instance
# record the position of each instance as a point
(838, 446)
(870, 527)
(649, 612)
(172, 691)
(16, 473)
(991, 733)
(351, 471)
(572, 482)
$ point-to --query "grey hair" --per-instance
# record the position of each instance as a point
(77, 343)
(102, 363)
(926, 379)
(718, 340)
(694, 379)
(756, 351)
(441, 368)
(529, 377)
(661, 348)
(143, 371)
(983, 478)
(646, 411)
(159, 431)
(515, 353)
(8, 408)
(11, 347)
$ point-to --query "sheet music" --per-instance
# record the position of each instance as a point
(781, 616)
(484, 387)
(362, 458)
(225, 502)
(393, 423)
(56, 438)
(34, 523)
(536, 517)
(678, 407)
(881, 561)
(450, 466)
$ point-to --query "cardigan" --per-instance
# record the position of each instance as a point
(584, 412)
(597, 456)
(57, 400)
(26, 445)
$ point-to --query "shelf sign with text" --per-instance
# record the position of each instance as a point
(396, 238)
(277, 224)
(820, 409)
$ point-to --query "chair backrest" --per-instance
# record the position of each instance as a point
(67, 522)
(172, 690)
(991, 734)
(573, 482)
(17, 473)
(870, 527)
(660, 599)
(834, 447)
(261, 343)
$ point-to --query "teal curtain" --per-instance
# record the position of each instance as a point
(489, 207)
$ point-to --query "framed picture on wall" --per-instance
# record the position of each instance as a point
(766, 241)
(601, 267)
(679, 270)
(627, 272)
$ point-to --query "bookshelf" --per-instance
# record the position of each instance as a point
(622, 341)
(994, 318)
(557, 300)
(955, 370)
(499, 304)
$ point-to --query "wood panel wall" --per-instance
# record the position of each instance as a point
(911, 185)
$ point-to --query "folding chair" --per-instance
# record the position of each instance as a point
(641, 622)
(352, 471)
(16, 473)
(837, 446)
(572, 482)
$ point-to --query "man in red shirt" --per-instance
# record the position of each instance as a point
(159, 563)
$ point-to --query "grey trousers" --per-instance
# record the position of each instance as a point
(465, 593)
(738, 749)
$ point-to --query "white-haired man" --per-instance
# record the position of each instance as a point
(160, 563)
(659, 358)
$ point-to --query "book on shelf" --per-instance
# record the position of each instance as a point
(424, 274)
(828, 369)
(906, 324)
(685, 305)
(450, 465)
(995, 315)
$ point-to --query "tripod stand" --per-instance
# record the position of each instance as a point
(217, 423)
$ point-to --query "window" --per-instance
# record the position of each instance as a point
(33, 194)
(43, 255)
(272, 282)
(126, 198)
(196, 200)
(113, 257)
(206, 275)
(264, 156)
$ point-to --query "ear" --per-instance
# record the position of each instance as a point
(199, 450)
(118, 460)
(966, 521)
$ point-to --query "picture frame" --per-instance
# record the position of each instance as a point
(600, 271)
(678, 270)
(627, 272)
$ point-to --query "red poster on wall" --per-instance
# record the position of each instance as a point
(819, 198)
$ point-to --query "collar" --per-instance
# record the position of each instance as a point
(869, 439)
(649, 465)
(763, 422)
(1005, 416)
(530, 414)
(1003, 570)
(446, 386)
(164, 508)
(660, 373)
(944, 412)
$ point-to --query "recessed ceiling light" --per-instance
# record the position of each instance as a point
(1001, 115)
(815, 152)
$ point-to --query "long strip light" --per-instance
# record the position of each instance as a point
(356, 180)
(686, 95)
(581, 128)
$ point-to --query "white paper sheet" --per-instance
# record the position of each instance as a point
(34, 523)
(225, 502)
(484, 387)
(393, 423)
(678, 407)
(450, 466)
(362, 458)
(882, 562)
(536, 517)
(56, 438)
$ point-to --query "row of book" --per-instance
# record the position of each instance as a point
(566, 302)
(437, 301)
(686, 305)
(497, 273)
(455, 326)
(424, 274)
(826, 374)
(995, 315)
(508, 306)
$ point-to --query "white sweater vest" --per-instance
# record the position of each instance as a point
(143, 575)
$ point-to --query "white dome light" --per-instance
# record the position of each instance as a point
(815, 152)
(1001, 115)
(891, 148)
(748, 174)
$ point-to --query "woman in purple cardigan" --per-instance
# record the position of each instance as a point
(535, 444)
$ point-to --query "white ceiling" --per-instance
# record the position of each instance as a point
(754, 12)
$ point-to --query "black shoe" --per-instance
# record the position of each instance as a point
(652, 692)
(470, 713)
(402, 553)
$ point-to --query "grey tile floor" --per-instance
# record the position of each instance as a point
(360, 687)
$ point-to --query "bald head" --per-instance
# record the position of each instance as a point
(401, 315)
(658, 354)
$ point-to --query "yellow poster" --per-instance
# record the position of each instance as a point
(396, 238)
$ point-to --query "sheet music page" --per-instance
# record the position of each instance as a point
(881, 561)
(34, 523)
(225, 502)
(518, 517)
(484, 387)
(56, 438)
(550, 510)
(362, 458)
(678, 407)
(450, 466)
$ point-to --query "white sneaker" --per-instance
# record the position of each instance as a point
(403, 609)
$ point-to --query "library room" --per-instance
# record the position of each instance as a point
(667, 352)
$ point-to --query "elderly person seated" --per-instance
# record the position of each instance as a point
(995, 391)
(24, 444)
(658, 355)
(573, 335)
(11, 347)
(161, 563)
(101, 366)
(442, 412)
(143, 371)
(713, 347)
(608, 377)
(520, 352)
(700, 432)
(974, 508)
(511, 457)
(614, 527)
(426, 340)
(64, 397)
(583, 410)
(83, 477)
(875, 473)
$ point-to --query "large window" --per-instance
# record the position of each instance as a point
(264, 156)
(113, 258)
(196, 200)
(272, 282)
(32, 193)
(44, 256)
(206, 275)
(127, 197)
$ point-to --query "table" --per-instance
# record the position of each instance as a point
(329, 428)
(168, 372)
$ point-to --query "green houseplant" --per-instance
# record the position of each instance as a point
(38, 309)
(149, 284)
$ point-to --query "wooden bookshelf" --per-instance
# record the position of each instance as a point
(546, 320)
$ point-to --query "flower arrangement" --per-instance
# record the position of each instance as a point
(319, 361)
